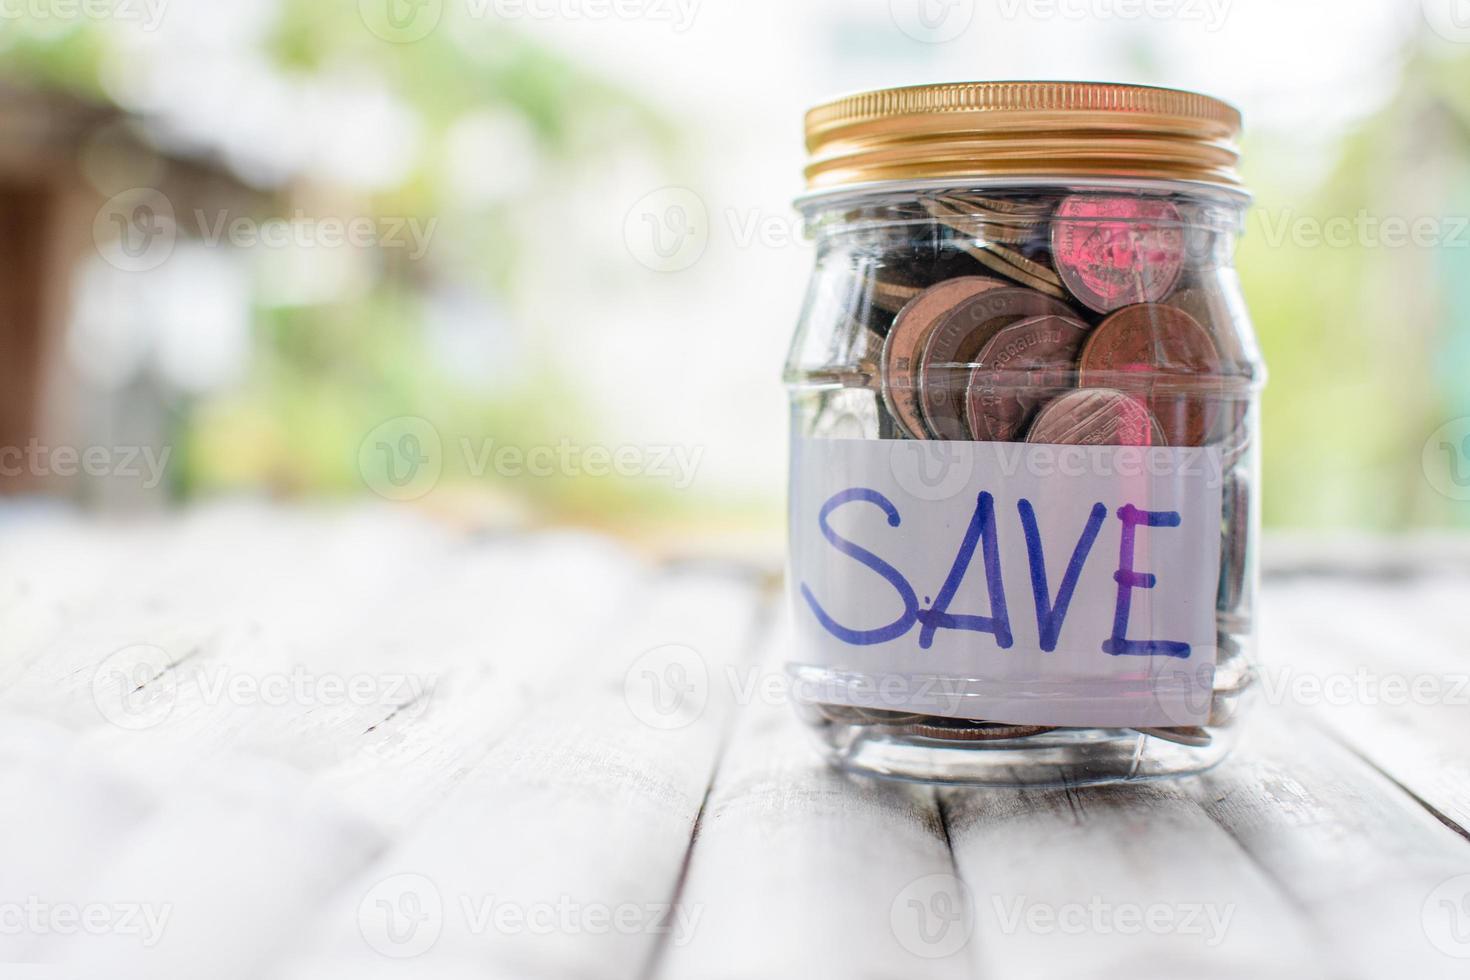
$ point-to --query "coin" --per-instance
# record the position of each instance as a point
(988, 231)
(1222, 710)
(892, 296)
(981, 222)
(889, 266)
(1160, 353)
(1234, 543)
(1113, 252)
(1233, 677)
(1095, 417)
(899, 364)
(926, 254)
(1221, 318)
(994, 259)
(843, 714)
(1221, 315)
(1023, 365)
(956, 341)
(987, 252)
(1029, 208)
(985, 202)
(973, 731)
(1235, 440)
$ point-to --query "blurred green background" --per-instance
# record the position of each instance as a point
(494, 157)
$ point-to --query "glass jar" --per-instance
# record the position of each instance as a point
(1025, 400)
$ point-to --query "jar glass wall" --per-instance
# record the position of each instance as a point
(1024, 426)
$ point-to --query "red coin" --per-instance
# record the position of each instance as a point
(1162, 355)
(1113, 252)
(1096, 417)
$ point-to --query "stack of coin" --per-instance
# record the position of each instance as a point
(896, 261)
(998, 234)
(1061, 318)
(1008, 221)
(977, 356)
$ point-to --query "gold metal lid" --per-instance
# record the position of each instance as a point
(1041, 129)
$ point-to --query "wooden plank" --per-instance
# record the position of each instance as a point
(55, 569)
(199, 585)
(1381, 664)
(801, 871)
(117, 817)
(237, 651)
(316, 632)
(541, 783)
(1356, 854)
(63, 814)
(435, 653)
(356, 595)
(1123, 881)
(223, 873)
(559, 853)
(494, 635)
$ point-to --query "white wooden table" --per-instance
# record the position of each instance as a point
(250, 743)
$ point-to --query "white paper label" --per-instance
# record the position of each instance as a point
(1047, 585)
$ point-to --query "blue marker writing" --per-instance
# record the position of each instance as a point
(888, 573)
(981, 530)
(1049, 616)
(1118, 644)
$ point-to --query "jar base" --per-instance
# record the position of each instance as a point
(1066, 757)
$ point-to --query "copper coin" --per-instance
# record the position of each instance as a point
(847, 715)
(975, 732)
(1162, 354)
(1024, 365)
(1224, 318)
(1096, 417)
(891, 297)
(899, 365)
(1113, 252)
(956, 341)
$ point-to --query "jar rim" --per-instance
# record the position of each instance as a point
(1017, 128)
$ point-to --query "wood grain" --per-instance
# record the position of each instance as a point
(589, 763)
(1356, 855)
(801, 871)
(559, 853)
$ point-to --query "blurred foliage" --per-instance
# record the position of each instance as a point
(1368, 345)
(1367, 340)
(325, 374)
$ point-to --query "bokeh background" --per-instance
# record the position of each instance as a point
(536, 261)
